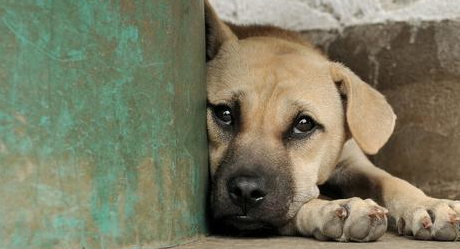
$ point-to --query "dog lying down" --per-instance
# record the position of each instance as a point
(283, 121)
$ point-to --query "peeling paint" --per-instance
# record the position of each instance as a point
(102, 123)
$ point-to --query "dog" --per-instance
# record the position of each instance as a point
(284, 122)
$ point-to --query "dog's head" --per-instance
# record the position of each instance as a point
(278, 116)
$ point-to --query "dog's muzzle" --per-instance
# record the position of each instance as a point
(251, 200)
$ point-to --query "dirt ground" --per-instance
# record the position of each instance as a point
(389, 240)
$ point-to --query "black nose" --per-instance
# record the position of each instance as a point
(246, 192)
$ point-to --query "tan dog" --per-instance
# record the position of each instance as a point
(283, 120)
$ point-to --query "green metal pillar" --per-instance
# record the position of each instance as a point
(102, 123)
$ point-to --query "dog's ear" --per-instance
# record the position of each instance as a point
(370, 118)
(217, 32)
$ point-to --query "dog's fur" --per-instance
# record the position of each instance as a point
(267, 77)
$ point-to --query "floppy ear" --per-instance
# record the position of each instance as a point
(217, 32)
(370, 118)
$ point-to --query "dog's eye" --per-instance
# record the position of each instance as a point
(303, 125)
(223, 114)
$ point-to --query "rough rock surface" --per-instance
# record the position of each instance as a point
(333, 14)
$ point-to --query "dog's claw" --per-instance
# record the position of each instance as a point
(454, 218)
(377, 213)
(426, 222)
(341, 213)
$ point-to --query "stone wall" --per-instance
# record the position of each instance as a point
(410, 51)
(333, 14)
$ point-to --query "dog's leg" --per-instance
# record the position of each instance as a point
(351, 219)
(413, 212)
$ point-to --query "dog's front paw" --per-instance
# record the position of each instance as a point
(429, 219)
(352, 219)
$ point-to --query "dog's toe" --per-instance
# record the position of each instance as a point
(446, 222)
(333, 218)
(334, 227)
(367, 221)
(446, 233)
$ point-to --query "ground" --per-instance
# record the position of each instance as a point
(389, 240)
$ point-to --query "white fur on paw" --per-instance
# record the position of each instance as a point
(352, 220)
(431, 219)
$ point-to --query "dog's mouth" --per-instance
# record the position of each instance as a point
(246, 223)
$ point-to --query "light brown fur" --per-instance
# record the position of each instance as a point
(273, 75)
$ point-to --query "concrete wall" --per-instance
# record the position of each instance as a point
(304, 15)
(407, 49)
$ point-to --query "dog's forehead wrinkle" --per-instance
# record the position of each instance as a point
(266, 75)
(303, 105)
(273, 45)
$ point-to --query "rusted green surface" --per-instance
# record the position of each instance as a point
(102, 123)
